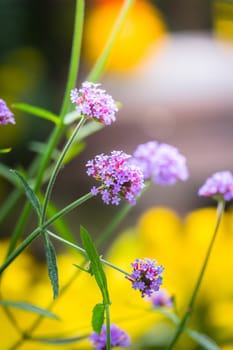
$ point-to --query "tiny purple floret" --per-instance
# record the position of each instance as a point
(161, 299)
(146, 276)
(118, 338)
(94, 103)
(162, 163)
(218, 186)
(119, 178)
(6, 116)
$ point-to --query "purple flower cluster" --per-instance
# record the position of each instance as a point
(94, 103)
(162, 163)
(6, 116)
(119, 178)
(118, 338)
(219, 186)
(161, 299)
(146, 276)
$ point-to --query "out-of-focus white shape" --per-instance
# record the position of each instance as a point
(187, 68)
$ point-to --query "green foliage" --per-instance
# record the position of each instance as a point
(29, 193)
(52, 264)
(29, 308)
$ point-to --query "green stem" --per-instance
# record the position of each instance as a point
(75, 55)
(11, 257)
(99, 67)
(59, 129)
(58, 167)
(108, 327)
(81, 250)
(184, 320)
(118, 218)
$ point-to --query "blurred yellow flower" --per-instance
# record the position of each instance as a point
(143, 27)
(177, 244)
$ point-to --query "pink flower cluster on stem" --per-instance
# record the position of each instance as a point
(119, 178)
(162, 163)
(94, 103)
(218, 186)
(118, 338)
(6, 116)
(146, 276)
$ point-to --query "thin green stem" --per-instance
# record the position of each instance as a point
(81, 250)
(75, 55)
(99, 67)
(108, 327)
(184, 320)
(59, 129)
(118, 218)
(28, 240)
(58, 167)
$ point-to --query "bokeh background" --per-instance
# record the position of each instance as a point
(172, 71)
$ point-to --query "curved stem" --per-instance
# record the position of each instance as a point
(184, 320)
(11, 257)
(99, 67)
(57, 168)
(81, 250)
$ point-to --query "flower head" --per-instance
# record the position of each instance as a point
(119, 178)
(146, 276)
(118, 338)
(94, 103)
(219, 186)
(6, 116)
(161, 298)
(161, 162)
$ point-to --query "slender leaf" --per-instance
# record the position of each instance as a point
(29, 193)
(202, 339)
(5, 150)
(59, 341)
(37, 111)
(52, 265)
(81, 268)
(29, 307)
(96, 265)
(98, 317)
(7, 175)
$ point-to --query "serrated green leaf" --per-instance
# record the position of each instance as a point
(96, 265)
(29, 307)
(98, 317)
(59, 341)
(37, 111)
(52, 265)
(29, 193)
(202, 339)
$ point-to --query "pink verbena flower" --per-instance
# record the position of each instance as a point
(119, 178)
(161, 299)
(118, 338)
(94, 103)
(218, 186)
(6, 116)
(162, 163)
(146, 276)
